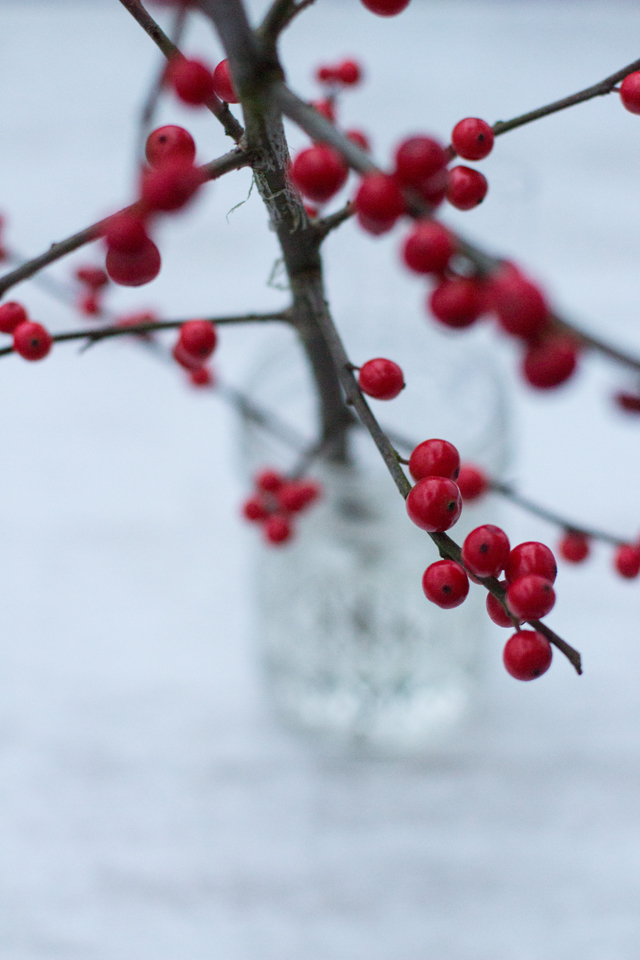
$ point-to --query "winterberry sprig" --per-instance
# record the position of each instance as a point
(276, 500)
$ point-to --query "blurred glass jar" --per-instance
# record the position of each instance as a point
(353, 652)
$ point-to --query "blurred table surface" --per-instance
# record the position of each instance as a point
(150, 807)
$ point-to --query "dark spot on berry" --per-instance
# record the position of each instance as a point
(484, 548)
(446, 589)
(451, 506)
(481, 137)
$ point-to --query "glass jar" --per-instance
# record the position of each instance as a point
(353, 652)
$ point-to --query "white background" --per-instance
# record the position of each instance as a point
(149, 806)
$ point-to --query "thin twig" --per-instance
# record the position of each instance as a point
(219, 109)
(153, 98)
(236, 158)
(325, 226)
(278, 17)
(597, 90)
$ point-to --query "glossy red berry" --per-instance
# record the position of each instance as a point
(277, 529)
(418, 159)
(255, 510)
(520, 305)
(446, 584)
(551, 362)
(466, 188)
(349, 72)
(428, 248)
(269, 480)
(531, 557)
(125, 232)
(472, 138)
(627, 561)
(497, 612)
(457, 302)
(32, 341)
(630, 92)
(530, 597)
(574, 547)
(485, 551)
(378, 203)
(192, 81)
(296, 495)
(472, 482)
(223, 84)
(359, 138)
(527, 655)
(201, 377)
(434, 458)
(198, 338)
(170, 143)
(170, 186)
(380, 378)
(386, 8)
(94, 277)
(89, 304)
(319, 172)
(434, 504)
(12, 314)
(134, 269)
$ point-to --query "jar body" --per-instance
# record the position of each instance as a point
(353, 652)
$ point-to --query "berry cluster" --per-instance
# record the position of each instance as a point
(275, 501)
(93, 281)
(31, 340)
(196, 342)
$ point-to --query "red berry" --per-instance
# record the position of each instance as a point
(574, 547)
(326, 75)
(186, 360)
(629, 402)
(378, 202)
(472, 138)
(269, 480)
(93, 277)
(170, 186)
(446, 584)
(434, 504)
(497, 612)
(223, 84)
(530, 597)
(359, 138)
(428, 248)
(296, 495)
(418, 159)
(12, 314)
(349, 72)
(386, 8)
(551, 362)
(527, 655)
(630, 92)
(201, 377)
(89, 304)
(457, 302)
(192, 81)
(134, 269)
(434, 190)
(627, 561)
(381, 379)
(531, 557)
(32, 341)
(521, 307)
(434, 458)
(277, 529)
(125, 232)
(254, 509)
(326, 108)
(485, 551)
(198, 338)
(170, 143)
(319, 172)
(472, 482)
(466, 188)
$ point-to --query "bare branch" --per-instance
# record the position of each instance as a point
(216, 168)
(219, 109)
(597, 90)
(327, 224)
(278, 17)
(151, 104)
